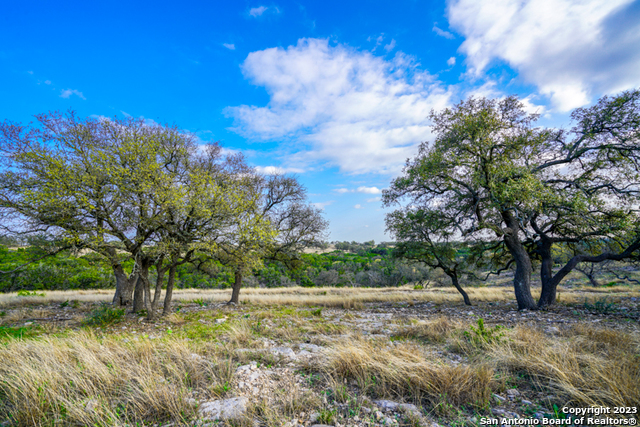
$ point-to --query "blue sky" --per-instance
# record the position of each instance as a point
(337, 93)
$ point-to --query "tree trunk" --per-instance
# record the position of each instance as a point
(237, 284)
(124, 287)
(522, 278)
(138, 295)
(158, 291)
(590, 275)
(167, 298)
(149, 303)
(454, 280)
(549, 285)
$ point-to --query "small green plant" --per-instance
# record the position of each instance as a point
(480, 335)
(557, 414)
(601, 306)
(105, 315)
(327, 416)
(317, 312)
(221, 389)
(73, 304)
(418, 287)
(200, 302)
(24, 293)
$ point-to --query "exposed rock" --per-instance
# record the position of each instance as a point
(225, 409)
(512, 393)
(283, 351)
(410, 408)
(386, 405)
(309, 347)
(387, 421)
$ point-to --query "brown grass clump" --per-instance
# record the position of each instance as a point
(436, 330)
(589, 366)
(403, 371)
(83, 380)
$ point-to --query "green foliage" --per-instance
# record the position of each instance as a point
(327, 416)
(17, 332)
(60, 272)
(601, 306)
(480, 336)
(105, 315)
(30, 294)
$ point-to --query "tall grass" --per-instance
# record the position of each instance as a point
(403, 371)
(83, 380)
(588, 366)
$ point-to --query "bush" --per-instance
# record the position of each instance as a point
(105, 315)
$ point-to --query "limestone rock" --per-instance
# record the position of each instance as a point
(225, 409)
(386, 405)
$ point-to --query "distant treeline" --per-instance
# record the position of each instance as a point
(351, 264)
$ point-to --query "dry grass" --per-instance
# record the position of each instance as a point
(436, 330)
(588, 366)
(83, 380)
(332, 297)
(403, 371)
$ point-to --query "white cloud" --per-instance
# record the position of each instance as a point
(30, 72)
(389, 47)
(369, 190)
(572, 50)
(365, 190)
(374, 199)
(442, 33)
(66, 93)
(322, 205)
(451, 61)
(358, 207)
(261, 10)
(229, 46)
(348, 107)
(276, 170)
(257, 11)
(47, 82)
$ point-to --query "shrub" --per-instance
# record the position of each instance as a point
(105, 315)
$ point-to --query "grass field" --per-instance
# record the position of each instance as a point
(83, 363)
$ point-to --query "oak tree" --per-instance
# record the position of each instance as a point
(495, 177)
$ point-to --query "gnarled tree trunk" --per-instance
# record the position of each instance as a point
(237, 284)
(522, 278)
(124, 287)
(454, 280)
